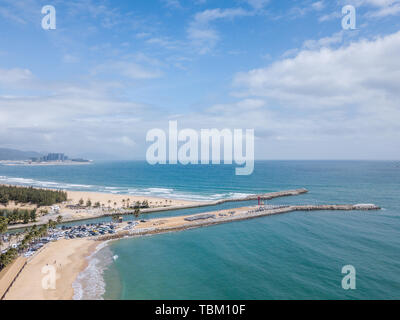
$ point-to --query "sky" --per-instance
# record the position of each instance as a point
(113, 70)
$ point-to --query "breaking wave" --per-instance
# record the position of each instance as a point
(90, 284)
(150, 192)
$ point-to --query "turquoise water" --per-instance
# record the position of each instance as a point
(293, 256)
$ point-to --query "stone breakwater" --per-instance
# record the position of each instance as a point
(213, 219)
(264, 196)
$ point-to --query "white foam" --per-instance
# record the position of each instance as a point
(40, 183)
(150, 192)
(160, 190)
(90, 284)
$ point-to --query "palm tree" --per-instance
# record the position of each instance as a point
(51, 224)
(10, 238)
(3, 224)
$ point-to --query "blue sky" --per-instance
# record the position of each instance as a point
(112, 70)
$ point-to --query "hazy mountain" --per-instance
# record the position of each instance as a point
(12, 154)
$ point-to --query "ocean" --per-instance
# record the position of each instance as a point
(299, 255)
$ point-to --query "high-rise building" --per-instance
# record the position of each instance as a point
(55, 157)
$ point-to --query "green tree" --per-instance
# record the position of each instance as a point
(145, 204)
(40, 197)
(33, 215)
(51, 224)
(3, 224)
(26, 217)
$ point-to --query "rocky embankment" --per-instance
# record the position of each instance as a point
(255, 212)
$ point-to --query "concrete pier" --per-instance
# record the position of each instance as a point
(179, 223)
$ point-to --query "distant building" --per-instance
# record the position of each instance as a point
(55, 157)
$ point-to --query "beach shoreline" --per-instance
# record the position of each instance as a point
(68, 258)
(116, 204)
(72, 257)
(110, 204)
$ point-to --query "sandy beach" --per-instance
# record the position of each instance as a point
(121, 200)
(68, 257)
(109, 203)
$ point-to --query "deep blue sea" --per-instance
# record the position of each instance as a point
(298, 255)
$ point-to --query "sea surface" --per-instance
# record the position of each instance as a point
(299, 255)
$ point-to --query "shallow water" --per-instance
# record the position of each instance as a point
(298, 255)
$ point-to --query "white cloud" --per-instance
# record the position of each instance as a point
(13, 76)
(257, 4)
(318, 5)
(75, 119)
(378, 8)
(243, 105)
(323, 42)
(9, 15)
(200, 31)
(172, 4)
(165, 43)
(127, 69)
(126, 141)
(387, 11)
(302, 10)
(330, 16)
(354, 89)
